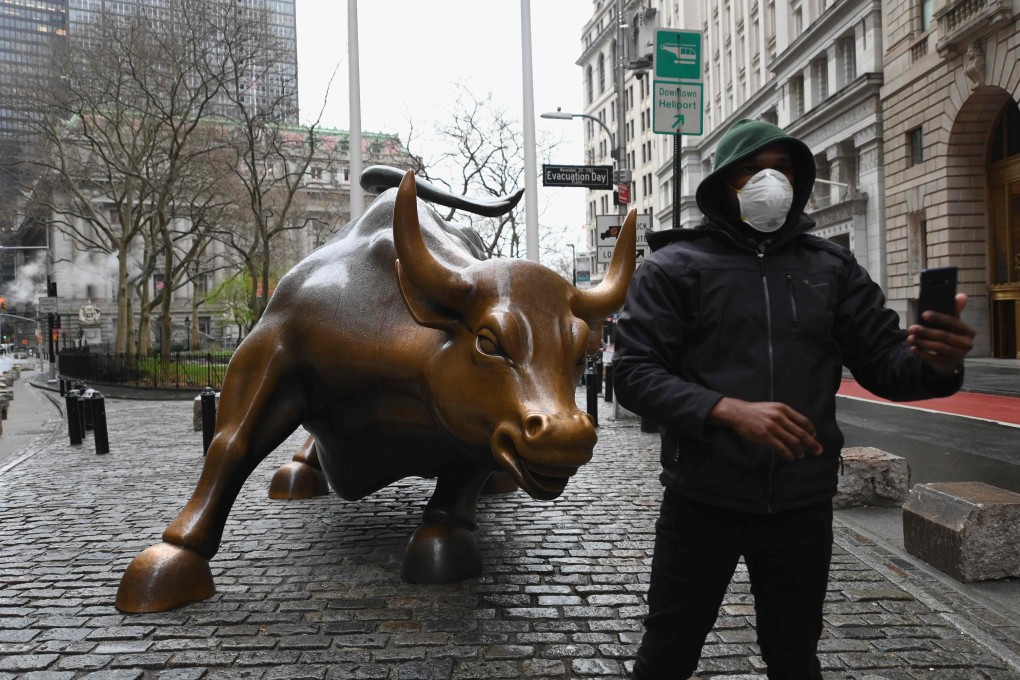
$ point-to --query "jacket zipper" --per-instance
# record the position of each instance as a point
(772, 367)
(793, 298)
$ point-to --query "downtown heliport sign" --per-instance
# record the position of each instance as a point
(677, 83)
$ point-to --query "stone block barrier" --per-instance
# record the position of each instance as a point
(969, 530)
(870, 476)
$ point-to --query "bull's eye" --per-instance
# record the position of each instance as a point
(487, 344)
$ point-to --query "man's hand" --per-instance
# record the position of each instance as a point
(770, 423)
(945, 343)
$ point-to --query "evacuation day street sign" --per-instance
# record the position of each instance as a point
(591, 176)
(677, 89)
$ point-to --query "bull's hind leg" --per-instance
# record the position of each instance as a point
(259, 409)
(301, 478)
(443, 548)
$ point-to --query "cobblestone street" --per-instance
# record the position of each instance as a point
(312, 589)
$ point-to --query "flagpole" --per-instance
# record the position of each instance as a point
(355, 144)
(530, 162)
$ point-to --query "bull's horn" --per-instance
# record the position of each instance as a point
(608, 296)
(439, 283)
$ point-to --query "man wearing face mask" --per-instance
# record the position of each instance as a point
(732, 340)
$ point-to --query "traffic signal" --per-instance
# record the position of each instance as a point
(3, 304)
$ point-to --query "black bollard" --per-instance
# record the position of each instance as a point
(99, 431)
(609, 383)
(208, 418)
(63, 388)
(86, 409)
(598, 374)
(73, 408)
(593, 395)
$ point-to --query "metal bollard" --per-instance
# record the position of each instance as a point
(598, 374)
(609, 383)
(593, 395)
(86, 409)
(73, 417)
(63, 388)
(99, 430)
(208, 418)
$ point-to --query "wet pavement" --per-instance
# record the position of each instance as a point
(312, 589)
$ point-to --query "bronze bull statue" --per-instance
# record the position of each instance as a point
(403, 354)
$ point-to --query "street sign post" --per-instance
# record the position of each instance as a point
(678, 108)
(607, 230)
(590, 176)
(47, 305)
(677, 89)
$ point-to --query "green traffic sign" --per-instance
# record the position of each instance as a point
(677, 54)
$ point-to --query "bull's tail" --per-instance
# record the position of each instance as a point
(377, 178)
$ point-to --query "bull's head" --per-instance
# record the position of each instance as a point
(517, 334)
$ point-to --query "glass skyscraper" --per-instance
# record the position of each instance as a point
(29, 32)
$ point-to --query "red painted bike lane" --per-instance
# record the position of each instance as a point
(970, 404)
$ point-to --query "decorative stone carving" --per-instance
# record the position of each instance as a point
(974, 67)
(89, 314)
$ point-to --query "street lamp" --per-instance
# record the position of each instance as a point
(615, 153)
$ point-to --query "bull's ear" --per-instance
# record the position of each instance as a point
(424, 311)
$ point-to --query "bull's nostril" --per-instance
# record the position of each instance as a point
(534, 425)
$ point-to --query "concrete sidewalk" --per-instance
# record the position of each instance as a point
(312, 588)
(33, 419)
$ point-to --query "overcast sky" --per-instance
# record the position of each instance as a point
(412, 52)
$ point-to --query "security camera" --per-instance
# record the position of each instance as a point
(640, 74)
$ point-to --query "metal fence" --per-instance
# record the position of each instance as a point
(184, 370)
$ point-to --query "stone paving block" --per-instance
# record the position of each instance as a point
(319, 581)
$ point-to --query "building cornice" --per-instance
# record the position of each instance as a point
(821, 33)
(842, 114)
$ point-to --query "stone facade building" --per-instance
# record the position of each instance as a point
(910, 107)
(951, 134)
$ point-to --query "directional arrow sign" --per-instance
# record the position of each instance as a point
(676, 107)
(677, 87)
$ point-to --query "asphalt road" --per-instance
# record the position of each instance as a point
(939, 447)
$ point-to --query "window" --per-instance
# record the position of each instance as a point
(927, 13)
(591, 90)
(915, 147)
(602, 74)
(849, 60)
(796, 96)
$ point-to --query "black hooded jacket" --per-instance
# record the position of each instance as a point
(713, 312)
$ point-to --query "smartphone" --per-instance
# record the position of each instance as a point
(938, 292)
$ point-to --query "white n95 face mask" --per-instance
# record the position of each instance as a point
(765, 200)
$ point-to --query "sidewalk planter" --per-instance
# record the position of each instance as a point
(969, 530)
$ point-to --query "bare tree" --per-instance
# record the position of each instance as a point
(266, 171)
(483, 155)
(123, 141)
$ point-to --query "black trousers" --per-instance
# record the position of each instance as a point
(696, 552)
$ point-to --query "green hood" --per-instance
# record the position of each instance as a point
(746, 138)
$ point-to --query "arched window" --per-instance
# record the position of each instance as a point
(602, 74)
(591, 90)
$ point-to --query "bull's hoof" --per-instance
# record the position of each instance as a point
(295, 481)
(441, 553)
(164, 577)
(499, 483)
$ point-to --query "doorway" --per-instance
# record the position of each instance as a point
(1004, 233)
